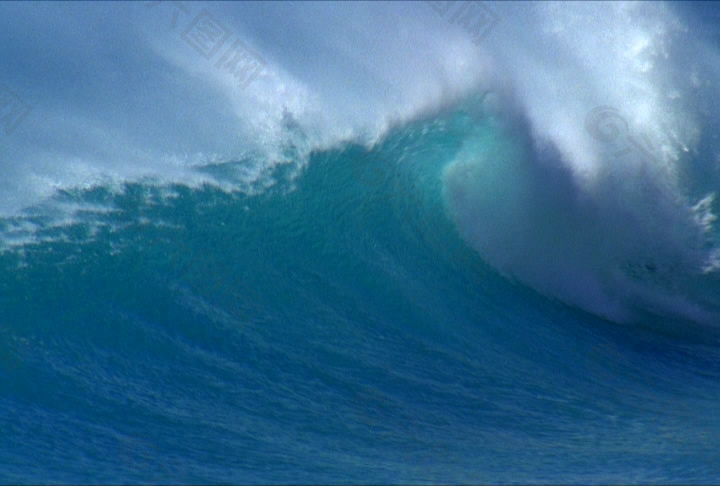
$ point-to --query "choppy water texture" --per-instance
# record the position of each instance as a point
(472, 296)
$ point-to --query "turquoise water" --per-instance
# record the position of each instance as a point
(337, 326)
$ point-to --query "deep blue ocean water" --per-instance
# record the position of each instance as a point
(332, 328)
(399, 256)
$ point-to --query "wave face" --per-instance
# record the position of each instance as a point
(431, 260)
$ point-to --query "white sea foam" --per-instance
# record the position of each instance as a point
(118, 94)
(583, 192)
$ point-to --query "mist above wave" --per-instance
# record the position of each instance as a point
(593, 176)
